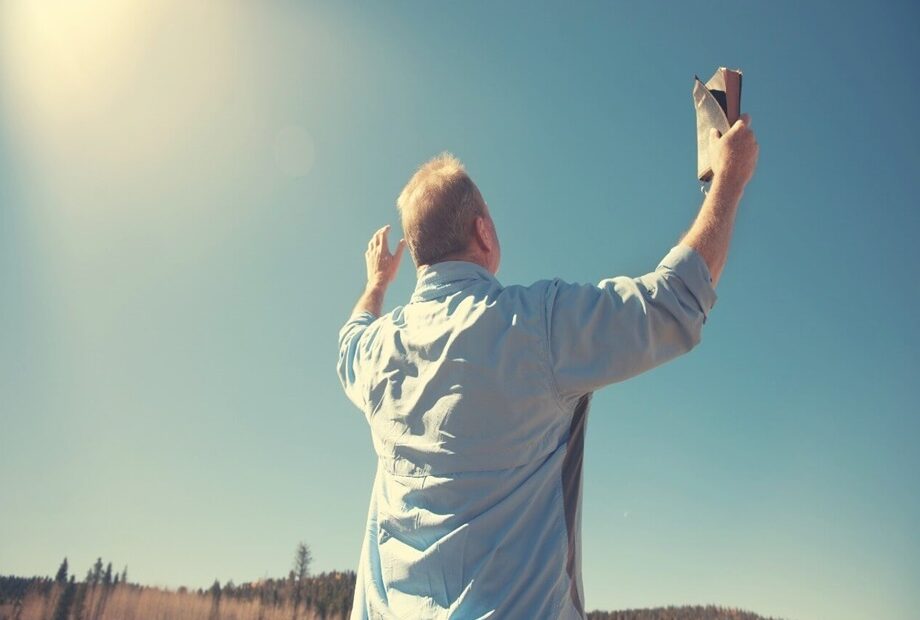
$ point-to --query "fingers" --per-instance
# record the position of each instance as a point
(375, 238)
(741, 126)
(714, 134)
(400, 246)
(379, 239)
(743, 122)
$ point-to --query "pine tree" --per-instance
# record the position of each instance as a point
(97, 572)
(107, 577)
(302, 559)
(124, 574)
(61, 576)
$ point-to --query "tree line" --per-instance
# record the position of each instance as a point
(104, 594)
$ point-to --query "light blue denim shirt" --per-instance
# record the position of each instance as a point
(477, 397)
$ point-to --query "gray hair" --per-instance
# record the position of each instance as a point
(438, 208)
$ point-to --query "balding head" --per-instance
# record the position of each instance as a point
(444, 217)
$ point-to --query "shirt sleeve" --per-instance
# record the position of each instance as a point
(350, 359)
(621, 327)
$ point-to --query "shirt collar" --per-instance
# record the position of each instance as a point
(446, 277)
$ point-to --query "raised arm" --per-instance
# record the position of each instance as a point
(624, 326)
(381, 270)
(733, 157)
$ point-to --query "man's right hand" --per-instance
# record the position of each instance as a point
(733, 156)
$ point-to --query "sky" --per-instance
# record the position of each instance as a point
(186, 193)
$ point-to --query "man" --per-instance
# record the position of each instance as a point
(477, 396)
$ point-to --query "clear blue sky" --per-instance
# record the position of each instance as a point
(185, 197)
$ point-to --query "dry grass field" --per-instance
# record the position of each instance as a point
(130, 602)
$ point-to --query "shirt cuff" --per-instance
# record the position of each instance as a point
(693, 271)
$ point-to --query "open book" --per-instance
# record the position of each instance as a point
(718, 104)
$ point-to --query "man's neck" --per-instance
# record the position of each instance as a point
(464, 257)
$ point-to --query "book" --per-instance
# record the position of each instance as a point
(718, 104)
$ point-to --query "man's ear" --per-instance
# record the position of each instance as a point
(484, 234)
(481, 233)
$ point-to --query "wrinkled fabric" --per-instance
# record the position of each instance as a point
(477, 396)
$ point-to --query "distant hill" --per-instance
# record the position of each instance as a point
(685, 612)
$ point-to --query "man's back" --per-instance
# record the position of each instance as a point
(477, 397)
